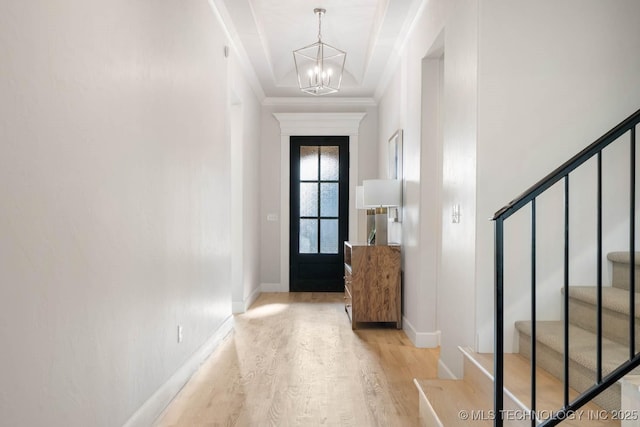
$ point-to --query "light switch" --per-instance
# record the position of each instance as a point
(272, 217)
(455, 214)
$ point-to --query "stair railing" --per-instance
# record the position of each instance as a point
(529, 198)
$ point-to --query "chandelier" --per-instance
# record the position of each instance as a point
(319, 66)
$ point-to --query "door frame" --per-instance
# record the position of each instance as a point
(313, 124)
(330, 261)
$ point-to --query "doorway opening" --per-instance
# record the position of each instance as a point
(318, 212)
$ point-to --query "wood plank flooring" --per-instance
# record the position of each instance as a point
(293, 360)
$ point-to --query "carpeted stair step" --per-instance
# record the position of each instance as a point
(582, 356)
(615, 311)
(620, 262)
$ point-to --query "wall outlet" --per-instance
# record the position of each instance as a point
(179, 333)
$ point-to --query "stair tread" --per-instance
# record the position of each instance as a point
(614, 299)
(449, 397)
(582, 344)
(549, 390)
(623, 257)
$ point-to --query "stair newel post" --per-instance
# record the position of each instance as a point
(499, 323)
(533, 313)
(632, 246)
(566, 290)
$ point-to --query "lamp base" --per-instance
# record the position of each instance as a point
(381, 227)
(371, 226)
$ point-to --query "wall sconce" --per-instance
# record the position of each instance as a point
(381, 193)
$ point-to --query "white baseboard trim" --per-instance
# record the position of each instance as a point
(242, 306)
(444, 372)
(237, 307)
(272, 287)
(421, 339)
(155, 406)
(428, 415)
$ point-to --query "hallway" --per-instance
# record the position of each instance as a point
(294, 360)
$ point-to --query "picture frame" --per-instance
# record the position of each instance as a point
(395, 170)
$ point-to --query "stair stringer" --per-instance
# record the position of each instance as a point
(479, 381)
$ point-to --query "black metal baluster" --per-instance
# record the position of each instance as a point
(562, 173)
(533, 313)
(566, 290)
(632, 248)
(599, 278)
(498, 368)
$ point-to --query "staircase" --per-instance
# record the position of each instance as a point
(582, 333)
(453, 403)
(443, 402)
(570, 366)
(588, 348)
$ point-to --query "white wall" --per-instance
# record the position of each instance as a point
(441, 298)
(553, 77)
(245, 116)
(519, 98)
(270, 176)
(115, 221)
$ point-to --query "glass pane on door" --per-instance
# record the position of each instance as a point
(329, 236)
(309, 163)
(329, 199)
(308, 236)
(329, 163)
(308, 199)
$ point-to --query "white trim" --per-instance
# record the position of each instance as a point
(313, 124)
(242, 306)
(237, 307)
(489, 375)
(224, 18)
(273, 287)
(413, 16)
(426, 409)
(444, 372)
(326, 101)
(421, 339)
(154, 407)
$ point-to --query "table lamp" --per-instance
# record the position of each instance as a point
(381, 194)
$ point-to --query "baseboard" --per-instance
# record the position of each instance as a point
(428, 415)
(272, 287)
(154, 407)
(421, 339)
(243, 306)
(237, 307)
(444, 372)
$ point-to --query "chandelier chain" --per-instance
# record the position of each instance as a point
(320, 26)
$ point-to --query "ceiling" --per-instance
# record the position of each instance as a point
(266, 32)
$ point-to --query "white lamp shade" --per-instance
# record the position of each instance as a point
(382, 192)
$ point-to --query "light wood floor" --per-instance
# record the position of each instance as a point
(293, 360)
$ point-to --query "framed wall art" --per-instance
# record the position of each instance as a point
(395, 170)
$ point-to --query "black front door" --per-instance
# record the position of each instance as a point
(319, 210)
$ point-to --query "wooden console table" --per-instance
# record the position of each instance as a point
(372, 283)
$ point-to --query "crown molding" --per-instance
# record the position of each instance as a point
(329, 101)
(319, 123)
(222, 15)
